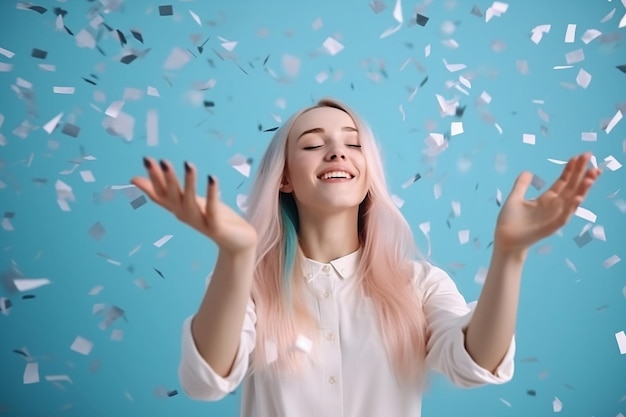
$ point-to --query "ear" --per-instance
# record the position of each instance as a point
(285, 186)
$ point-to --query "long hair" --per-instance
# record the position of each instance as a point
(385, 268)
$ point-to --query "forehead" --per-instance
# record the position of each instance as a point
(322, 117)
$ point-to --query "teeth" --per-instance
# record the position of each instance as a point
(336, 174)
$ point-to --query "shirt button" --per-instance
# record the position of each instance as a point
(331, 380)
(325, 294)
(329, 336)
(326, 269)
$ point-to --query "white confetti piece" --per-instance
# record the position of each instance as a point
(114, 109)
(608, 17)
(397, 15)
(82, 345)
(177, 59)
(291, 65)
(332, 46)
(508, 404)
(589, 137)
(456, 208)
(538, 31)
(317, 24)
(497, 9)
(117, 335)
(31, 373)
(571, 265)
(557, 405)
(63, 90)
(7, 53)
(399, 202)
(454, 67)
(570, 34)
(560, 67)
(464, 236)
(152, 127)
(96, 290)
(456, 128)
(304, 344)
(28, 284)
(622, 22)
(575, 56)
(58, 378)
(52, 124)
(163, 241)
(616, 118)
(427, 51)
(498, 196)
(481, 275)
(589, 35)
(195, 17)
(241, 164)
(87, 176)
(621, 342)
(437, 190)
(152, 91)
(321, 77)
(611, 163)
(583, 78)
(485, 97)
(528, 138)
(624, 291)
(522, 66)
(610, 261)
(583, 213)
(84, 39)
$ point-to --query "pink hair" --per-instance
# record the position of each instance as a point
(385, 270)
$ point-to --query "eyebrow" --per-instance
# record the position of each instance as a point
(321, 130)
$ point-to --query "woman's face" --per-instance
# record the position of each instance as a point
(325, 139)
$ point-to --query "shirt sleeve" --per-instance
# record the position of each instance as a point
(447, 316)
(198, 380)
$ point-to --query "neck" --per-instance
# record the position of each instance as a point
(328, 237)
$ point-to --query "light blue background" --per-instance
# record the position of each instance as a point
(567, 320)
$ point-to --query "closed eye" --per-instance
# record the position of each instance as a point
(319, 146)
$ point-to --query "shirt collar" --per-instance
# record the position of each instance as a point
(345, 267)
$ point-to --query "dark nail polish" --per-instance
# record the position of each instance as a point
(187, 167)
(211, 180)
(163, 165)
(146, 162)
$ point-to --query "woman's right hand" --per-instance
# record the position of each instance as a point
(209, 215)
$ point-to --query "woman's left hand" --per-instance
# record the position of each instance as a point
(522, 222)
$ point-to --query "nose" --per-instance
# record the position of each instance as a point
(336, 153)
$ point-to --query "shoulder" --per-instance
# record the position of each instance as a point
(428, 278)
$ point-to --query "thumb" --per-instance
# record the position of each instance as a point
(521, 185)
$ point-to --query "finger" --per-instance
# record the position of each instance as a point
(145, 185)
(521, 185)
(156, 176)
(189, 201)
(211, 196)
(578, 174)
(561, 182)
(590, 178)
(173, 190)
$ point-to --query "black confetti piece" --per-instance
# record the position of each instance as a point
(28, 296)
(38, 53)
(137, 35)
(531, 392)
(271, 129)
(128, 59)
(166, 10)
(172, 393)
(424, 81)
(121, 37)
(89, 81)
(38, 9)
(622, 68)
(69, 32)
(59, 12)
(20, 352)
(138, 202)
(421, 20)
(208, 103)
(159, 272)
(71, 130)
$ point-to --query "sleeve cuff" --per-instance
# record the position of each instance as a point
(471, 373)
(198, 379)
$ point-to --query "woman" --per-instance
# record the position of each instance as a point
(320, 302)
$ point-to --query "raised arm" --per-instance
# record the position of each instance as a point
(520, 224)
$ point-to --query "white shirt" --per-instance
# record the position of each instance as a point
(355, 379)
